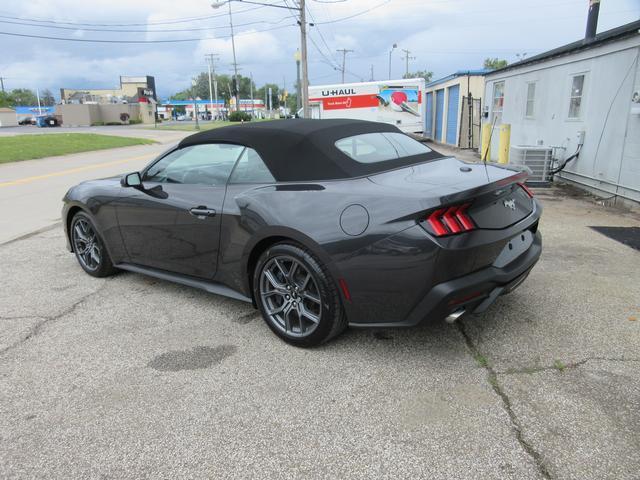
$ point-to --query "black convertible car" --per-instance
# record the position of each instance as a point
(319, 223)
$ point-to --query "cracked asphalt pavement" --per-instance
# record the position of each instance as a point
(131, 377)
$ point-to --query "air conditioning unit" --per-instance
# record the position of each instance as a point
(538, 159)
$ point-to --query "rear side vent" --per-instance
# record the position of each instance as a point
(450, 220)
(538, 159)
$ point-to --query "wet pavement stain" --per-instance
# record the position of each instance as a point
(194, 359)
(382, 335)
(246, 318)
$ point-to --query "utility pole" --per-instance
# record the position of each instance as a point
(251, 90)
(296, 56)
(195, 101)
(302, 21)
(344, 59)
(303, 59)
(235, 63)
(210, 57)
(2, 83)
(407, 58)
(371, 77)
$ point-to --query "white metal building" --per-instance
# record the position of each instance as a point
(448, 109)
(585, 92)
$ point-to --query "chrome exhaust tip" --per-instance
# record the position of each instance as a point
(452, 317)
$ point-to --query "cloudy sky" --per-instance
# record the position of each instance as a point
(442, 35)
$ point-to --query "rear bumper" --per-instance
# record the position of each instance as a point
(474, 292)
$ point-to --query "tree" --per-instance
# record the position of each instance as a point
(47, 99)
(6, 100)
(495, 63)
(292, 102)
(23, 97)
(275, 94)
(419, 74)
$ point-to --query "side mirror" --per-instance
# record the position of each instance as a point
(131, 180)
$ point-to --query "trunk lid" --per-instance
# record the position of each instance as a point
(497, 201)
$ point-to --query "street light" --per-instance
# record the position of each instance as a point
(296, 57)
(395, 45)
(303, 42)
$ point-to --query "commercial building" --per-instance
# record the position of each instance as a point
(33, 111)
(131, 90)
(453, 108)
(582, 98)
(134, 101)
(217, 108)
(87, 114)
(8, 117)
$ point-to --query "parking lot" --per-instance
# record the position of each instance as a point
(131, 377)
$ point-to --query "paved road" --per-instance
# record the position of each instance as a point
(142, 131)
(130, 377)
(31, 191)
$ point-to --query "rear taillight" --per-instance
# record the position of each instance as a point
(450, 221)
(526, 189)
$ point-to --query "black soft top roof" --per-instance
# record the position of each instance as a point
(301, 150)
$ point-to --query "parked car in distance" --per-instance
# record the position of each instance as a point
(337, 223)
(27, 121)
(182, 118)
(47, 121)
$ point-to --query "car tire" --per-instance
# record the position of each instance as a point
(89, 248)
(302, 321)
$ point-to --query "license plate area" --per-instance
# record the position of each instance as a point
(515, 247)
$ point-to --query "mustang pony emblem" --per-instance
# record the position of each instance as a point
(511, 203)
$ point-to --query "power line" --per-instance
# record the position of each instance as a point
(355, 14)
(178, 40)
(167, 22)
(91, 29)
(317, 29)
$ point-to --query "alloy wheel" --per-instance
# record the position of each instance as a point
(86, 244)
(290, 296)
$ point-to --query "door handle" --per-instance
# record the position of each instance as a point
(202, 212)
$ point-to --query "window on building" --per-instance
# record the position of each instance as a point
(498, 101)
(575, 101)
(529, 110)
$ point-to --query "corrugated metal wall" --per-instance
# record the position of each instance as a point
(452, 114)
(439, 114)
(429, 116)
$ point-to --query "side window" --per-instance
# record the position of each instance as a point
(380, 147)
(529, 110)
(207, 164)
(251, 169)
(575, 99)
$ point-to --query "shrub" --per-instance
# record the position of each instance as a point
(239, 116)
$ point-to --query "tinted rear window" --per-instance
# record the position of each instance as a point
(380, 147)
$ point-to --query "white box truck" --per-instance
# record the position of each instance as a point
(399, 102)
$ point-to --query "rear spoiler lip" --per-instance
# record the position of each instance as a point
(519, 177)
